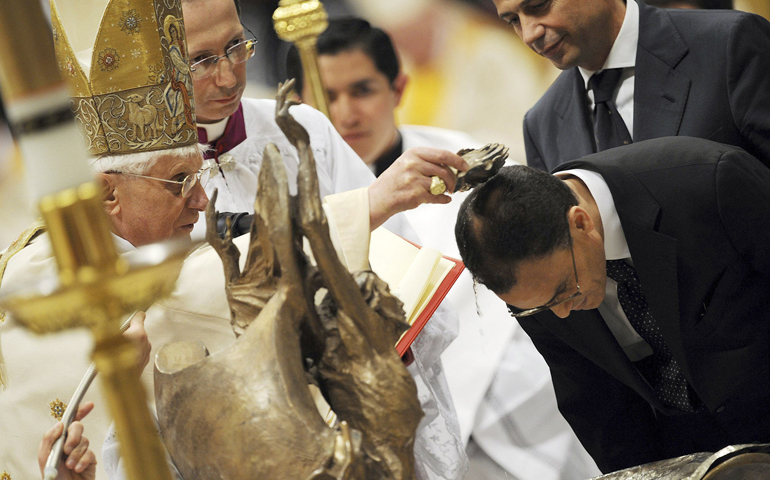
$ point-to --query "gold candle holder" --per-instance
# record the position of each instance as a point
(301, 22)
(95, 287)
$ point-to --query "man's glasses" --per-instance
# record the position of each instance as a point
(238, 53)
(515, 312)
(188, 183)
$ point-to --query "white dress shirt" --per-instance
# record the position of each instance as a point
(622, 55)
(615, 248)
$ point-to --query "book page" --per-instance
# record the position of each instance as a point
(440, 272)
(419, 277)
(390, 256)
(414, 285)
(412, 273)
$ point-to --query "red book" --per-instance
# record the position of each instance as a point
(419, 277)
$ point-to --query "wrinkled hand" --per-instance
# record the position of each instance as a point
(79, 463)
(138, 336)
(406, 183)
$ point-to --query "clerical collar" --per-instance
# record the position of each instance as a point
(390, 156)
(234, 133)
(623, 52)
(214, 130)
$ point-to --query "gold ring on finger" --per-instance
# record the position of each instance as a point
(437, 186)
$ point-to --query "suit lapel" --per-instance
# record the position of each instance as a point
(653, 253)
(660, 92)
(586, 332)
(572, 115)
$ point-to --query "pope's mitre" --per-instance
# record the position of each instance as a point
(130, 81)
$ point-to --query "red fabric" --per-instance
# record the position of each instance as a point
(235, 133)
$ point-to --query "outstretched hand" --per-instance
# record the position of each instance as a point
(78, 462)
(406, 183)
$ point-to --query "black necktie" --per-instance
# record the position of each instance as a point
(661, 369)
(609, 129)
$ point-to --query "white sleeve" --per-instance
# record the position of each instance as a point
(113, 463)
(438, 447)
(348, 171)
(347, 214)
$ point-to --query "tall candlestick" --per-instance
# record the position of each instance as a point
(96, 285)
(37, 103)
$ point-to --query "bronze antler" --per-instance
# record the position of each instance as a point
(248, 291)
(367, 384)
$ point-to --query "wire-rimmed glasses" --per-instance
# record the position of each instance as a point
(188, 183)
(238, 53)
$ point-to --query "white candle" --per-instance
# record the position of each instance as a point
(54, 156)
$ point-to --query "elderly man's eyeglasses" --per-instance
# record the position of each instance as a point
(515, 312)
(188, 182)
(238, 53)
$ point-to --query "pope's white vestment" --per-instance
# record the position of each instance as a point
(42, 369)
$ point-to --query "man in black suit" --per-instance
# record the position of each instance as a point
(671, 354)
(681, 72)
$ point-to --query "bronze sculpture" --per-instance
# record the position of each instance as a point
(264, 423)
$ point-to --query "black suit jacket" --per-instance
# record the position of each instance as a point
(696, 215)
(699, 73)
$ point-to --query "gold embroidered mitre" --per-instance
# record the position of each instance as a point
(137, 95)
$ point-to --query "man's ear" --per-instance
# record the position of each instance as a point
(580, 220)
(110, 194)
(399, 85)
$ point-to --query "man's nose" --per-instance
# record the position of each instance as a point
(344, 112)
(198, 198)
(563, 310)
(225, 74)
(532, 33)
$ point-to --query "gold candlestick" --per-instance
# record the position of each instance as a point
(96, 287)
(301, 22)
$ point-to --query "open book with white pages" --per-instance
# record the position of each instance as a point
(419, 276)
